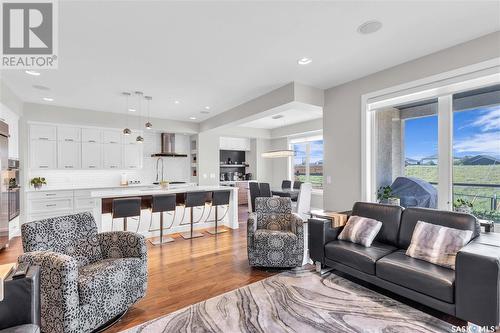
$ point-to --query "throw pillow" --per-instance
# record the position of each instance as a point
(360, 230)
(437, 244)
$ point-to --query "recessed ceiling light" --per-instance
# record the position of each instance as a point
(304, 61)
(207, 107)
(205, 112)
(48, 99)
(39, 87)
(192, 118)
(34, 73)
(278, 116)
(369, 27)
(176, 102)
(132, 109)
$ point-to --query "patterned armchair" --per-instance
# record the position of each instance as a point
(275, 236)
(86, 278)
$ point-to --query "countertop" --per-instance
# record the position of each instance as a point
(90, 187)
(128, 192)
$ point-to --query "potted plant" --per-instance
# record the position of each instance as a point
(37, 182)
(463, 206)
(384, 195)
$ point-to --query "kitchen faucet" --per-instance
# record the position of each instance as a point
(157, 168)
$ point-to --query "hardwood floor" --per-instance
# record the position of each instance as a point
(184, 272)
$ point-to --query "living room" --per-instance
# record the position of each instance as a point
(250, 166)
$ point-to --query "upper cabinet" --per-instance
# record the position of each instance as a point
(43, 132)
(68, 134)
(43, 154)
(91, 135)
(227, 143)
(70, 147)
(112, 136)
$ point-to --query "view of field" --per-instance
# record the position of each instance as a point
(481, 197)
(315, 180)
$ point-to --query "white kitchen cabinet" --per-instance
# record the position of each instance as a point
(111, 156)
(228, 143)
(112, 136)
(132, 156)
(68, 134)
(91, 135)
(91, 155)
(43, 132)
(68, 155)
(12, 119)
(43, 154)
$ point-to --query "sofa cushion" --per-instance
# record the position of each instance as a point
(418, 275)
(439, 217)
(360, 230)
(357, 256)
(98, 282)
(389, 215)
(274, 240)
(437, 244)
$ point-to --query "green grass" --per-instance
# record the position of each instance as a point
(316, 180)
(474, 174)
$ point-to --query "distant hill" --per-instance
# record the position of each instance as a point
(480, 160)
(466, 160)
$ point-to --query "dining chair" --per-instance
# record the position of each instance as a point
(286, 184)
(254, 193)
(296, 185)
(265, 190)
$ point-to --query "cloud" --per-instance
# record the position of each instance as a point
(489, 119)
(482, 142)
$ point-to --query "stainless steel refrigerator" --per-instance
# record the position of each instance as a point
(4, 184)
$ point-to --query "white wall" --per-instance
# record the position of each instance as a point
(342, 112)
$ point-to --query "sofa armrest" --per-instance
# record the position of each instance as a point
(297, 225)
(320, 233)
(122, 244)
(477, 281)
(59, 297)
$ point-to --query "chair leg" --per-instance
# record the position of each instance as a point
(162, 240)
(124, 224)
(191, 233)
(216, 230)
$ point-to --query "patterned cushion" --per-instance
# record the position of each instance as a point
(274, 240)
(360, 230)
(273, 213)
(437, 244)
(107, 277)
(73, 235)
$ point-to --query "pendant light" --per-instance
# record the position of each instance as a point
(139, 94)
(148, 124)
(126, 130)
(282, 152)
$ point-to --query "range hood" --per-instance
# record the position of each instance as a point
(168, 146)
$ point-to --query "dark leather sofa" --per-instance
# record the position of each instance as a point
(471, 292)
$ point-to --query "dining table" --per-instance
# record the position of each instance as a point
(293, 194)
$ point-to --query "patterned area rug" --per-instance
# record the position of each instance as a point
(297, 302)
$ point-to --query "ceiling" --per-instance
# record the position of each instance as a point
(289, 117)
(221, 54)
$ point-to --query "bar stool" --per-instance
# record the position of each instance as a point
(219, 198)
(125, 208)
(161, 203)
(194, 199)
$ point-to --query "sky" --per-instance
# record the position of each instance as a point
(475, 132)
(316, 152)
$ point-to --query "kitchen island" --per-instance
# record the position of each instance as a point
(178, 222)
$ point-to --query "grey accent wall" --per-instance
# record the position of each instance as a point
(342, 115)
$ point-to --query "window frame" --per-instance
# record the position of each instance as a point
(308, 140)
(442, 86)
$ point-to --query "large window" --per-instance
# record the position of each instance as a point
(307, 163)
(442, 152)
